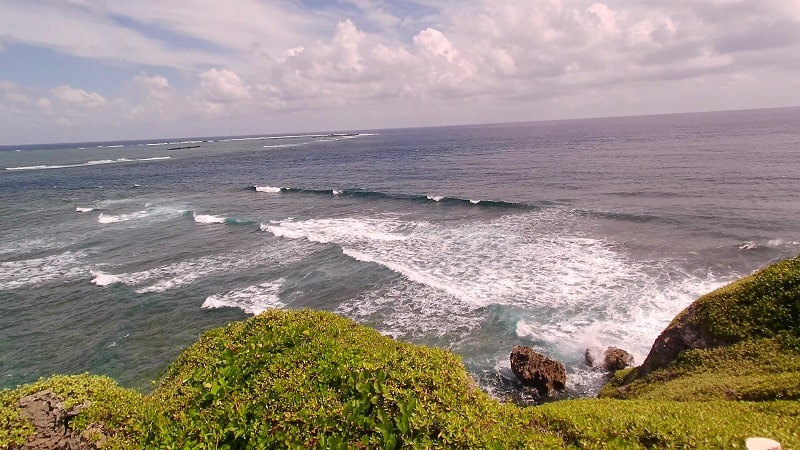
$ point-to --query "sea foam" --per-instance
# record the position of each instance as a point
(269, 189)
(104, 279)
(207, 218)
(61, 267)
(252, 300)
(566, 287)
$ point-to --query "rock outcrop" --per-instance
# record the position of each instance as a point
(537, 371)
(683, 333)
(616, 359)
(612, 358)
(51, 421)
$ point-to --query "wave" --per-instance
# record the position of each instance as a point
(63, 267)
(179, 274)
(207, 218)
(150, 212)
(104, 279)
(252, 300)
(87, 163)
(81, 209)
(558, 284)
(266, 189)
(419, 198)
(214, 219)
(772, 243)
(298, 144)
(117, 218)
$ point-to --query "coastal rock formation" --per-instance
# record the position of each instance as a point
(683, 333)
(612, 358)
(537, 371)
(51, 421)
(616, 359)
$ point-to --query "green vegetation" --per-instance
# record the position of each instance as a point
(309, 379)
(755, 326)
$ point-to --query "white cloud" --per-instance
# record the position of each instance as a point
(45, 104)
(472, 60)
(150, 84)
(15, 97)
(77, 98)
(219, 90)
(222, 86)
(87, 33)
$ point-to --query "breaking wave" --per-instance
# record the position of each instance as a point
(378, 195)
(252, 299)
(88, 163)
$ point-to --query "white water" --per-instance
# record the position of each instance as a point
(571, 289)
(252, 299)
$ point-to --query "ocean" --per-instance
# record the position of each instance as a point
(562, 235)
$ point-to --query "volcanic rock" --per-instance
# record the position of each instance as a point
(537, 371)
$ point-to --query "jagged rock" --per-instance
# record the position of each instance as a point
(616, 359)
(682, 334)
(537, 371)
(589, 357)
(612, 358)
(51, 421)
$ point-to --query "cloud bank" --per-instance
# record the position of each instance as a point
(152, 68)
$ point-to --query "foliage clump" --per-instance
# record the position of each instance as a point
(312, 379)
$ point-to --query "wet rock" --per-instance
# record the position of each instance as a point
(611, 358)
(616, 359)
(537, 371)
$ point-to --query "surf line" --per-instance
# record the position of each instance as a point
(367, 194)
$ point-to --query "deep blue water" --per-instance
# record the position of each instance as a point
(560, 235)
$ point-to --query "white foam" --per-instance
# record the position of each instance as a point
(207, 218)
(176, 275)
(61, 267)
(410, 311)
(88, 163)
(337, 191)
(341, 231)
(20, 247)
(296, 144)
(99, 162)
(571, 289)
(116, 218)
(436, 198)
(83, 209)
(252, 300)
(104, 279)
(154, 158)
(151, 212)
(269, 189)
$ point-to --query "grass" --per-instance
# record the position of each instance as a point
(310, 379)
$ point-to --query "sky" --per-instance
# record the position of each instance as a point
(89, 70)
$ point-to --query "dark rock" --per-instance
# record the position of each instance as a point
(683, 333)
(589, 357)
(537, 371)
(616, 359)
